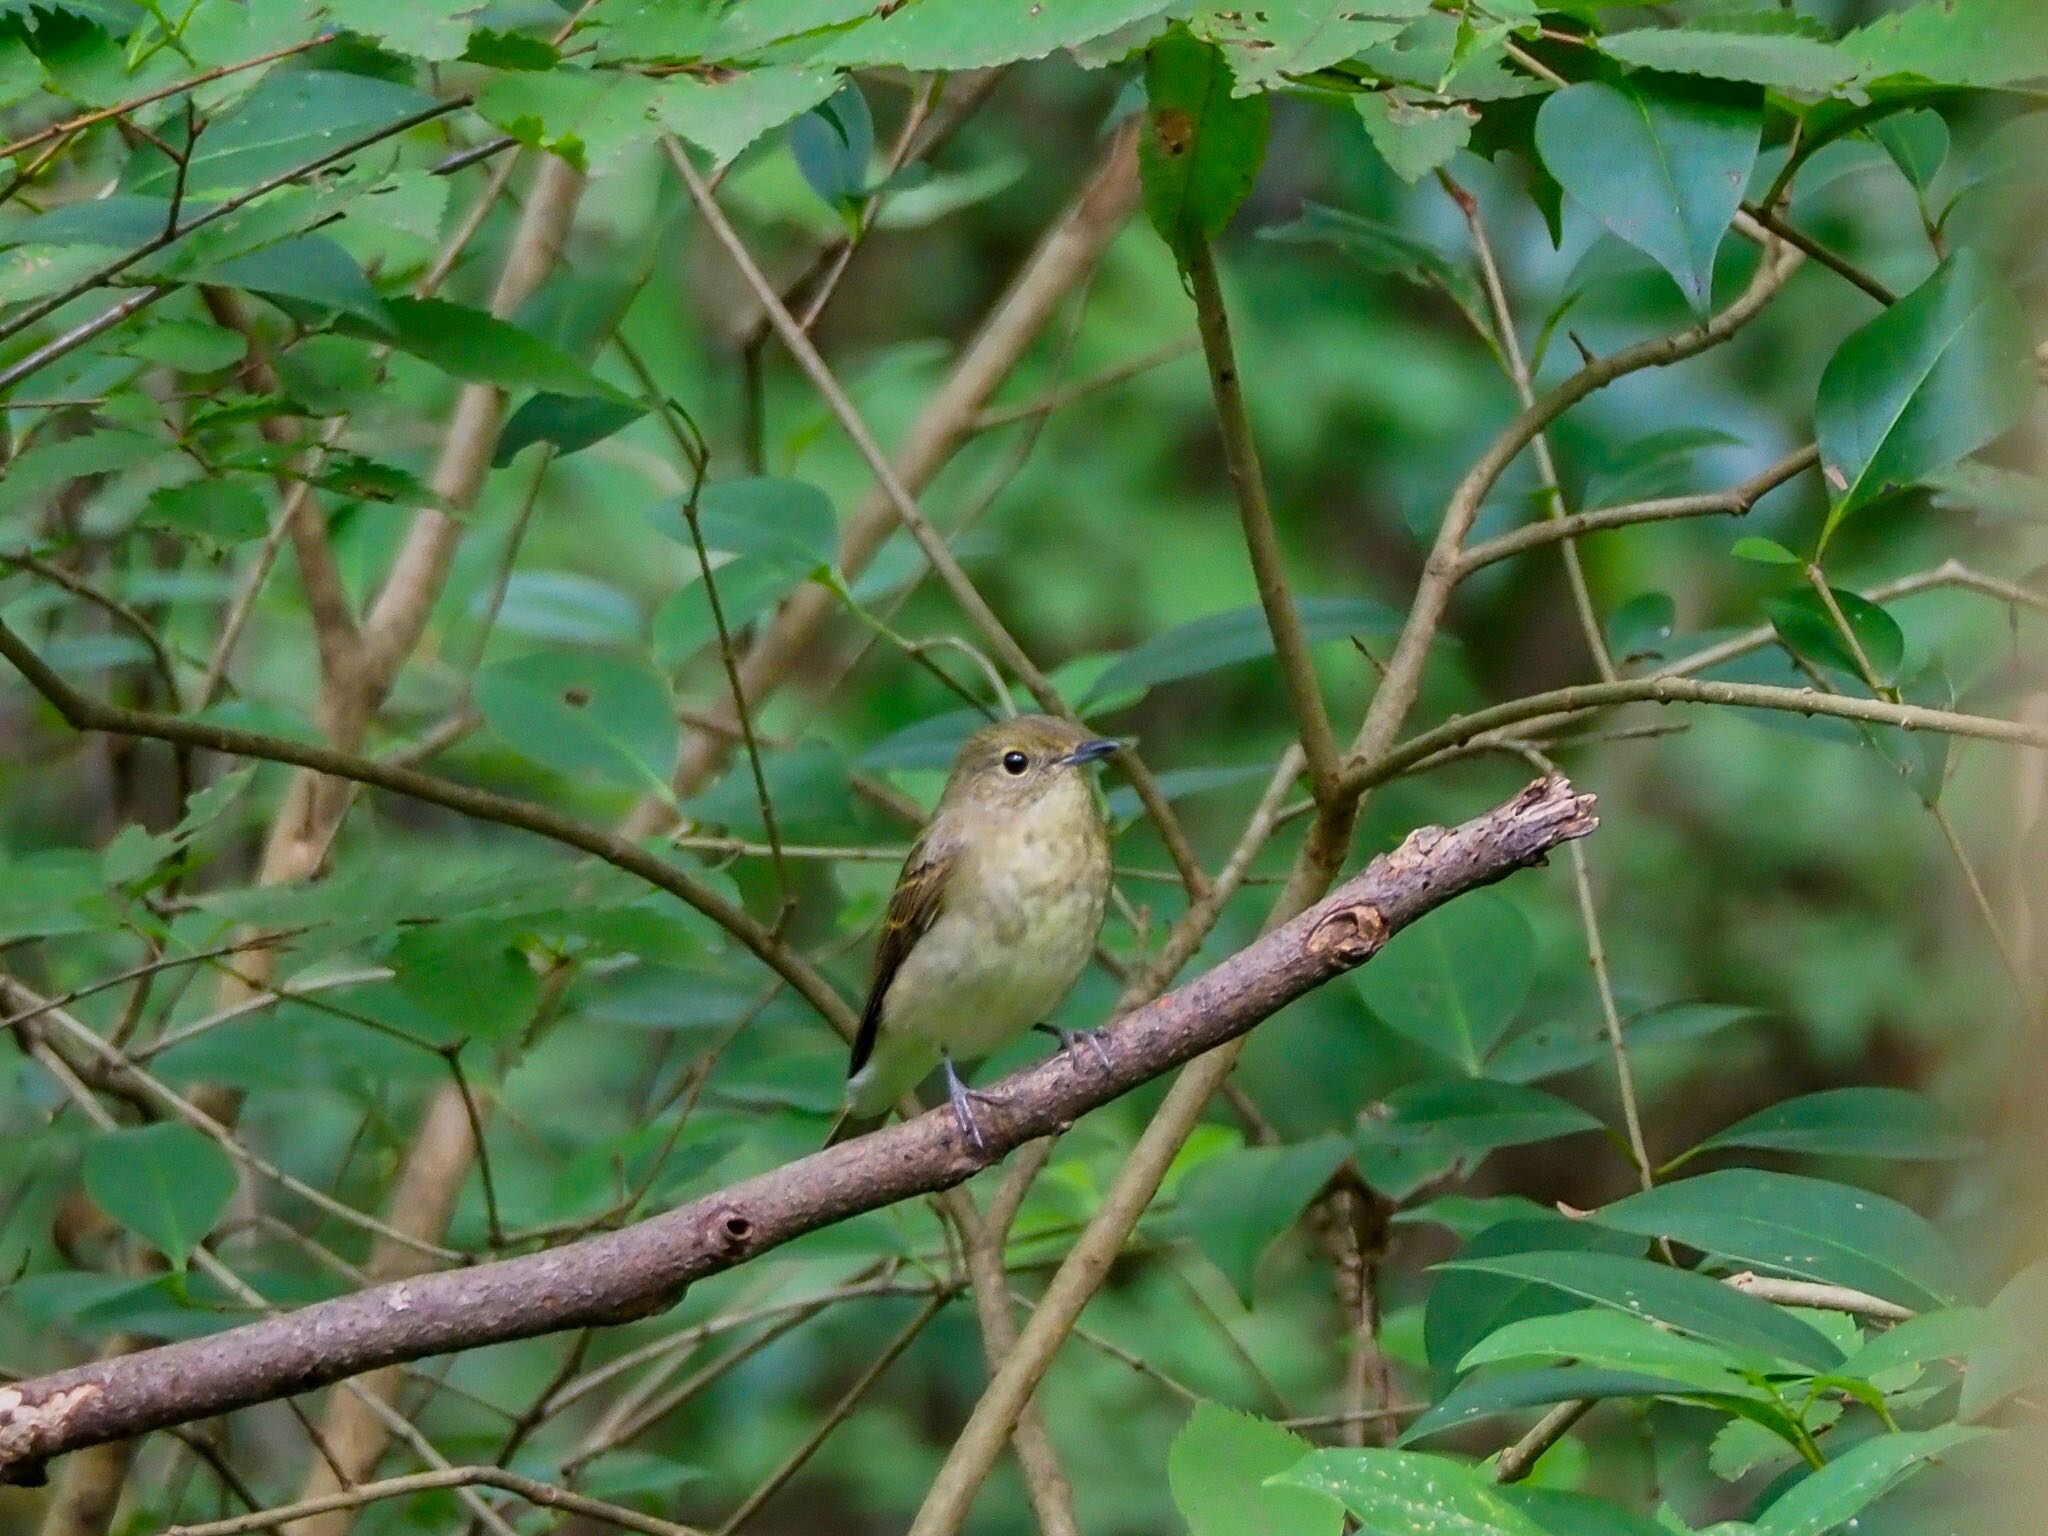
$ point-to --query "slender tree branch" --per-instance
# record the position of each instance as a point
(642, 1268)
(543, 1495)
(1060, 398)
(1736, 500)
(1261, 539)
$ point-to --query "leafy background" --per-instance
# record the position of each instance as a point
(1809, 927)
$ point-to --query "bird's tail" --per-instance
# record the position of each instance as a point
(850, 1124)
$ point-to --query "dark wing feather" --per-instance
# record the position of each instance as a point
(912, 906)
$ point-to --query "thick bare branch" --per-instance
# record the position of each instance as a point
(642, 1268)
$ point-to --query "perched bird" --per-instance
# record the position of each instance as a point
(994, 915)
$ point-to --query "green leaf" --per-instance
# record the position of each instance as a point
(1805, 1227)
(788, 524)
(1407, 1493)
(1236, 1205)
(571, 422)
(1544, 1050)
(291, 119)
(1956, 42)
(1215, 640)
(1935, 377)
(470, 344)
(1467, 1302)
(1617, 1341)
(1850, 1122)
(310, 271)
(1201, 147)
(1857, 1478)
(589, 117)
(1219, 1471)
(468, 975)
(167, 1184)
(1690, 1302)
(972, 34)
(1455, 980)
(1807, 628)
(1485, 1396)
(1763, 551)
(1412, 138)
(1954, 1333)
(834, 147)
(1760, 47)
(190, 346)
(583, 713)
(1661, 163)
(1917, 143)
(435, 30)
(1265, 44)
(1384, 249)
(722, 117)
(223, 511)
(1424, 1129)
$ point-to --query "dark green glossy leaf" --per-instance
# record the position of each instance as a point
(1936, 376)
(1466, 1302)
(1850, 1122)
(1677, 1298)
(570, 422)
(1618, 1341)
(470, 344)
(1809, 630)
(1661, 162)
(1810, 1228)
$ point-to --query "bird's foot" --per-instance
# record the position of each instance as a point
(1072, 1040)
(963, 1098)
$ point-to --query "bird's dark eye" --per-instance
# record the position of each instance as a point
(1015, 762)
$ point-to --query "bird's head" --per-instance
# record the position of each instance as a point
(1015, 762)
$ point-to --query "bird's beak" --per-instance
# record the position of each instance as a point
(1090, 752)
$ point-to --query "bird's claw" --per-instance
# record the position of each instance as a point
(1071, 1041)
(962, 1098)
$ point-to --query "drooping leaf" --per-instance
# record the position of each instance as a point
(1235, 1206)
(471, 344)
(1201, 146)
(1662, 163)
(1220, 1468)
(1809, 630)
(167, 1183)
(1917, 143)
(570, 422)
(1487, 1394)
(1382, 248)
(583, 713)
(1935, 377)
(1857, 1478)
(1544, 1050)
(1455, 980)
(1809, 1228)
(1682, 1299)
(1850, 1122)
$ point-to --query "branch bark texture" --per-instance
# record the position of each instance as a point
(641, 1269)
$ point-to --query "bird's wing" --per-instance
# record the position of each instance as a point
(912, 906)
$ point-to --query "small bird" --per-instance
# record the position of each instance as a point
(994, 915)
